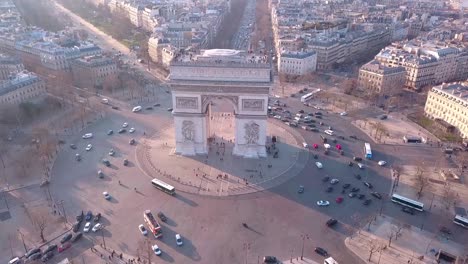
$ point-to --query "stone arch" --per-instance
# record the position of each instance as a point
(207, 99)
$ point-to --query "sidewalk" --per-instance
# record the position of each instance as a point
(297, 260)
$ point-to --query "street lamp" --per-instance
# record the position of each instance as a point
(304, 237)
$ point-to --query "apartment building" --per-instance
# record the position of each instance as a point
(297, 63)
(155, 46)
(9, 66)
(378, 78)
(449, 102)
(23, 87)
(92, 71)
(149, 18)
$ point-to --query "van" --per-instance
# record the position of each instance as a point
(136, 109)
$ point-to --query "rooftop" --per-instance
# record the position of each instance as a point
(459, 90)
(221, 57)
(20, 80)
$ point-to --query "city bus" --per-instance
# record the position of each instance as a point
(460, 220)
(309, 96)
(407, 202)
(163, 186)
(367, 151)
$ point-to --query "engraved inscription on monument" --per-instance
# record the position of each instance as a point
(252, 104)
(187, 102)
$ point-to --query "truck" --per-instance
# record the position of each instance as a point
(152, 223)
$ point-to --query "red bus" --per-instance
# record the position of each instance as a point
(152, 223)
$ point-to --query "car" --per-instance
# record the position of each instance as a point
(136, 109)
(72, 146)
(32, 252)
(157, 105)
(326, 146)
(100, 174)
(321, 251)
(50, 247)
(35, 256)
(352, 195)
(346, 185)
(111, 152)
(361, 196)
(143, 230)
(47, 256)
(110, 132)
(149, 108)
(382, 163)
(89, 216)
(64, 247)
(131, 130)
(382, 117)
(97, 217)
(315, 146)
(277, 117)
(106, 195)
(97, 227)
(318, 113)
(122, 130)
(319, 165)
(334, 181)
(367, 202)
(339, 199)
(270, 259)
(353, 137)
(355, 189)
(132, 141)
(65, 238)
(301, 189)
(408, 210)
(445, 230)
(76, 237)
(87, 227)
(350, 163)
(79, 217)
(162, 216)
(77, 157)
(357, 176)
(106, 162)
(331, 222)
(125, 162)
(323, 203)
(376, 195)
(87, 135)
(325, 179)
(318, 116)
(156, 250)
(305, 145)
(125, 124)
(169, 109)
(89, 147)
(300, 111)
(368, 185)
(115, 107)
(360, 165)
(178, 240)
(76, 226)
(343, 114)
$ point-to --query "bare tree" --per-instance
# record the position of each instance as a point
(374, 246)
(390, 236)
(398, 230)
(349, 86)
(421, 179)
(40, 221)
(144, 249)
(449, 197)
(369, 220)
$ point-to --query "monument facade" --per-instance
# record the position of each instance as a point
(242, 79)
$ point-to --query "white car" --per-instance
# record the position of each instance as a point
(136, 109)
(319, 165)
(87, 227)
(277, 117)
(178, 240)
(327, 146)
(343, 114)
(97, 227)
(111, 152)
(305, 145)
(360, 165)
(87, 135)
(89, 147)
(125, 124)
(106, 195)
(131, 130)
(323, 203)
(156, 250)
(382, 163)
(143, 230)
(334, 181)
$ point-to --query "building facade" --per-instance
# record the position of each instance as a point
(92, 71)
(378, 78)
(297, 63)
(23, 87)
(8, 66)
(449, 102)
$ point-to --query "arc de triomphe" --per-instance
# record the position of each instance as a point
(243, 79)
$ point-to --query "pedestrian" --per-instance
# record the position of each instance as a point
(135, 189)
(120, 183)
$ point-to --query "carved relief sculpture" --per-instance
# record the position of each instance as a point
(188, 130)
(252, 131)
(252, 104)
(187, 102)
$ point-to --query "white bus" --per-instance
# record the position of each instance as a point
(460, 220)
(309, 96)
(367, 151)
(163, 186)
(407, 202)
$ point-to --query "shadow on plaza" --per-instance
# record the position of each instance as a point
(188, 249)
